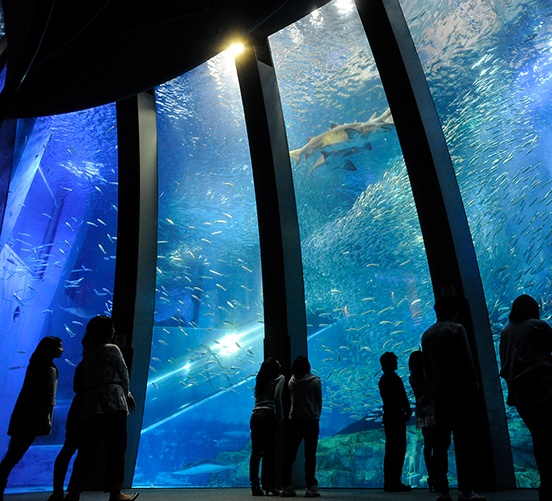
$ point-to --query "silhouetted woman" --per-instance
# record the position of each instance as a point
(425, 413)
(72, 436)
(33, 411)
(265, 418)
(105, 406)
(526, 365)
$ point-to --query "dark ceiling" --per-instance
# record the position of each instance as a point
(67, 55)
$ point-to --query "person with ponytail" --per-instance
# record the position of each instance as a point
(265, 418)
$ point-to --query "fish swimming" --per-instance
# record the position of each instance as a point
(335, 159)
(205, 466)
(353, 134)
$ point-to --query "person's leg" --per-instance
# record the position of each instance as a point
(89, 447)
(115, 433)
(257, 444)
(536, 418)
(294, 438)
(395, 450)
(443, 430)
(311, 433)
(428, 433)
(18, 446)
(268, 474)
(62, 464)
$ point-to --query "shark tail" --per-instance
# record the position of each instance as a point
(296, 155)
(386, 116)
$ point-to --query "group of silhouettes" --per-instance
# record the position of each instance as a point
(445, 385)
(305, 391)
(442, 376)
(98, 412)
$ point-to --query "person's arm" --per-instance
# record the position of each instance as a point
(406, 403)
(278, 398)
(428, 367)
(122, 371)
(318, 395)
(465, 354)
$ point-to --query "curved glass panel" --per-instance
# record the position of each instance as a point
(366, 277)
(208, 332)
(488, 65)
(58, 246)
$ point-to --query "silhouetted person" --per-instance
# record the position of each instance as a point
(396, 413)
(305, 390)
(72, 435)
(105, 406)
(33, 411)
(265, 418)
(450, 372)
(526, 365)
(425, 412)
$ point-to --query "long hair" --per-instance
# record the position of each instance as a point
(416, 366)
(270, 369)
(524, 308)
(99, 331)
(46, 350)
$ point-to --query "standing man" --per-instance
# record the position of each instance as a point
(452, 377)
(396, 413)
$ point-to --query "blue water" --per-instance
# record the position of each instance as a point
(367, 283)
(58, 245)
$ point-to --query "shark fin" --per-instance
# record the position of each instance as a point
(333, 126)
(374, 115)
(348, 165)
(352, 133)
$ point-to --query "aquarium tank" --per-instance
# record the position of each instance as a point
(489, 65)
(365, 272)
(58, 245)
(207, 340)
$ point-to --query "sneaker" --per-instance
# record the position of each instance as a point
(444, 497)
(312, 491)
(289, 492)
(473, 495)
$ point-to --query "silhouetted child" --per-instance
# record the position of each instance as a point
(396, 413)
(425, 412)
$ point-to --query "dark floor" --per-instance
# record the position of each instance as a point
(241, 494)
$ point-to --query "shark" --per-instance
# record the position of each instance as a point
(348, 138)
(337, 159)
(204, 466)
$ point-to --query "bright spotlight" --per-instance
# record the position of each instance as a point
(236, 49)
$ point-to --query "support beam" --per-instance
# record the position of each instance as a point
(451, 256)
(283, 290)
(134, 291)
